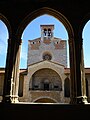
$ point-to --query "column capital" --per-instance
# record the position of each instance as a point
(14, 99)
(6, 99)
(82, 99)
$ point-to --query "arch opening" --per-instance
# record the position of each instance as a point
(45, 79)
(32, 32)
(44, 100)
(51, 12)
(5, 34)
(86, 44)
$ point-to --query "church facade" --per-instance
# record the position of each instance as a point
(47, 78)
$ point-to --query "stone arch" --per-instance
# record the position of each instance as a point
(83, 22)
(47, 68)
(8, 26)
(6, 22)
(83, 83)
(45, 77)
(82, 25)
(45, 99)
(66, 23)
(48, 65)
(45, 10)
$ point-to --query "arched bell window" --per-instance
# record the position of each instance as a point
(49, 32)
(67, 87)
(45, 32)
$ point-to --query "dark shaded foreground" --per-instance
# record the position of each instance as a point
(44, 111)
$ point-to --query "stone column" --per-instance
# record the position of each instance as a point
(72, 71)
(88, 89)
(26, 88)
(30, 83)
(81, 97)
(8, 72)
(15, 73)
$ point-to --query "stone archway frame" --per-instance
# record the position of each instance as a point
(59, 69)
(45, 97)
(5, 86)
(83, 97)
(6, 22)
(45, 10)
(83, 22)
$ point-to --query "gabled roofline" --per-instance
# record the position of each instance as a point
(46, 60)
(40, 39)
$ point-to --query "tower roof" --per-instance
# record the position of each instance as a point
(51, 26)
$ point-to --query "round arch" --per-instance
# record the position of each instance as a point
(49, 70)
(82, 32)
(44, 99)
(6, 22)
(84, 21)
(46, 79)
(67, 25)
(45, 10)
(48, 65)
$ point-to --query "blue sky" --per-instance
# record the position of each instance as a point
(33, 31)
(86, 44)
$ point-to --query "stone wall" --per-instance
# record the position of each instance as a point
(57, 48)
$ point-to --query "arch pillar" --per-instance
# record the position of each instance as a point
(68, 26)
(11, 81)
(8, 67)
(81, 82)
(8, 73)
(15, 73)
(72, 70)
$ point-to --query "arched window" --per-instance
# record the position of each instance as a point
(46, 86)
(45, 32)
(49, 32)
(67, 87)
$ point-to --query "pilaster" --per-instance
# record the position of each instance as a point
(15, 73)
(81, 96)
(72, 71)
(8, 72)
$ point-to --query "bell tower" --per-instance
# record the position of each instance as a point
(47, 32)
